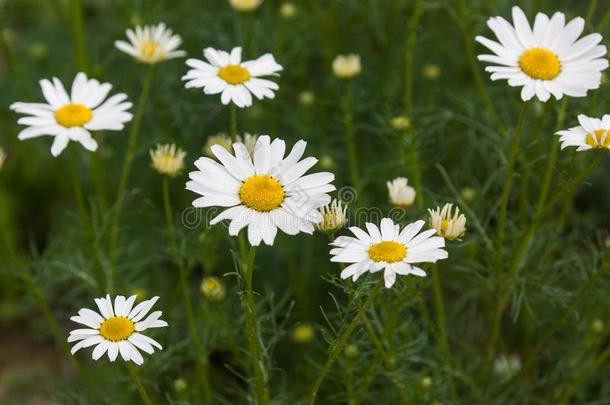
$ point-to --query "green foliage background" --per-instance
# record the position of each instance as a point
(49, 256)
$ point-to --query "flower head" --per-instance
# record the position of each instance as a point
(401, 194)
(288, 10)
(507, 365)
(237, 81)
(151, 44)
(303, 333)
(72, 117)
(447, 223)
(592, 133)
(307, 97)
(387, 248)
(347, 66)
(546, 59)
(2, 158)
(264, 190)
(168, 159)
(213, 289)
(245, 5)
(334, 217)
(401, 123)
(117, 328)
(225, 141)
(431, 72)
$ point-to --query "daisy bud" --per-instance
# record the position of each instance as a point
(38, 51)
(303, 333)
(307, 98)
(213, 289)
(334, 217)
(401, 194)
(597, 325)
(507, 366)
(468, 194)
(327, 162)
(426, 382)
(431, 71)
(168, 159)
(288, 10)
(180, 385)
(219, 139)
(351, 351)
(450, 225)
(347, 66)
(401, 123)
(245, 5)
(2, 158)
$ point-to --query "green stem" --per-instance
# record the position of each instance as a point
(78, 192)
(508, 182)
(202, 359)
(410, 47)
(411, 154)
(124, 179)
(350, 136)
(78, 34)
(254, 344)
(340, 343)
(99, 181)
(233, 122)
(136, 379)
(591, 11)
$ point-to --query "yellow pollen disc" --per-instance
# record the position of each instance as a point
(147, 50)
(444, 226)
(540, 64)
(595, 139)
(73, 115)
(261, 193)
(234, 74)
(389, 252)
(117, 328)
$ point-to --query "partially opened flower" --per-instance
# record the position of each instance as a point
(151, 44)
(592, 133)
(347, 66)
(447, 222)
(548, 59)
(334, 217)
(265, 191)
(72, 117)
(236, 81)
(400, 193)
(117, 328)
(389, 249)
(245, 5)
(168, 159)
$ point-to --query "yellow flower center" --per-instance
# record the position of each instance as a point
(444, 226)
(261, 193)
(147, 50)
(540, 64)
(388, 251)
(595, 139)
(234, 74)
(117, 328)
(73, 115)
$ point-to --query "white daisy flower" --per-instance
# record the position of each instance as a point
(168, 159)
(389, 249)
(265, 191)
(151, 44)
(591, 134)
(71, 117)
(334, 217)
(547, 59)
(347, 66)
(118, 328)
(400, 193)
(236, 80)
(447, 222)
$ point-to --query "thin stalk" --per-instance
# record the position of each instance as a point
(136, 379)
(124, 179)
(254, 344)
(340, 343)
(410, 47)
(78, 191)
(202, 359)
(412, 164)
(350, 136)
(99, 181)
(591, 11)
(508, 182)
(78, 34)
(233, 122)
(464, 24)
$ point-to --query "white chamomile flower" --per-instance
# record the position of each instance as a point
(71, 117)
(347, 66)
(548, 59)
(447, 222)
(592, 133)
(237, 81)
(334, 217)
(400, 193)
(117, 328)
(389, 249)
(265, 191)
(151, 44)
(168, 159)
